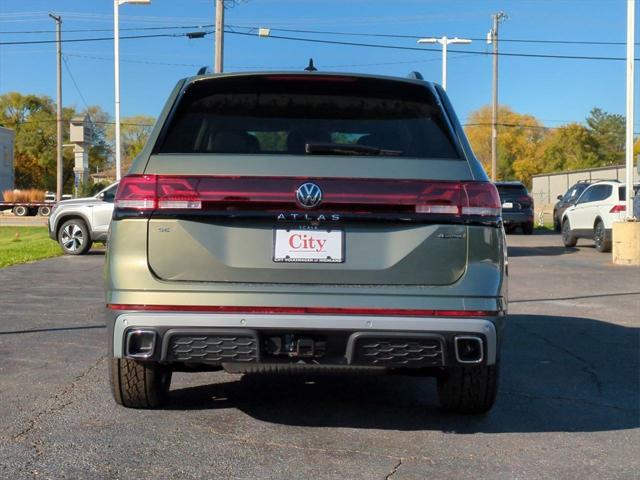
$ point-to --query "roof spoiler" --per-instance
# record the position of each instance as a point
(204, 70)
(415, 75)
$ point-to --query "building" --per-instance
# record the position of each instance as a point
(7, 139)
(547, 186)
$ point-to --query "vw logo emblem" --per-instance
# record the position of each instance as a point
(309, 195)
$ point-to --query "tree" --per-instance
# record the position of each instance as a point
(518, 138)
(33, 118)
(570, 147)
(101, 147)
(134, 133)
(608, 131)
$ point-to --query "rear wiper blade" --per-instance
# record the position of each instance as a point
(347, 149)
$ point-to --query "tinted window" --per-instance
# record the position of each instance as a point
(511, 189)
(109, 194)
(281, 114)
(574, 192)
(596, 193)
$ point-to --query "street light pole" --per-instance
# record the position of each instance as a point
(116, 69)
(218, 60)
(58, 21)
(629, 133)
(444, 41)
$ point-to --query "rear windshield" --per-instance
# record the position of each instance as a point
(283, 114)
(511, 189)
(622, 192)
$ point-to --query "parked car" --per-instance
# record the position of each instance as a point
(517, 206)
(75, 224)
(306, 222)
(565, 201)
(600, 205)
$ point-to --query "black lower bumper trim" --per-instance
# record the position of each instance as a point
(396, 349)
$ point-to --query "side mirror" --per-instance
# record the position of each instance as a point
(101, 196)
(559, 197)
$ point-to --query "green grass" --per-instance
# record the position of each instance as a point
(26, 244)
(548, 226)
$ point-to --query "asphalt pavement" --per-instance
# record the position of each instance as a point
(568, 405)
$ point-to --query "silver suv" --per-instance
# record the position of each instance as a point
(76, 224)
(306, 222)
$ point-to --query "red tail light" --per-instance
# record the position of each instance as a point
(153, 192)
(618, 209)
(137, 192)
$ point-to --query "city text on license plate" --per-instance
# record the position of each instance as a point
(308, 246)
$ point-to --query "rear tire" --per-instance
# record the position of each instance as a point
(139, 384)
(44, 211)
(527, 228)
(20, 211)
(568, 239)
(468, 389)
(600, 237)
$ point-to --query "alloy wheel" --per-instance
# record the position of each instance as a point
(72, 237)
(599, 235)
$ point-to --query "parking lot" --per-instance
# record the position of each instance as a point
(568, 405)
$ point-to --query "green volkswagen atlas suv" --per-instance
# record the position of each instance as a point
(306, 222)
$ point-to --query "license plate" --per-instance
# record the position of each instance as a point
(507, 205)
(308, 246)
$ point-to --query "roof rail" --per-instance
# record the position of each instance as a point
(605, 180)
(415, 75)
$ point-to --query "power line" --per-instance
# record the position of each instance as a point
(397, 47)
(479, 124)
(262, 67)
(85, 30)
(413, 37)
(73, 80)
(330, 42)
(97, 39)
(101, 122)
(521, 125)
(327, 32)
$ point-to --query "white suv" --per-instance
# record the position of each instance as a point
(593, 215)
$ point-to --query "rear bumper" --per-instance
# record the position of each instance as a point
(517, 217)
(358, 331)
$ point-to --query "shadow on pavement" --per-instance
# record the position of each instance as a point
(547, 251)
(558, 374)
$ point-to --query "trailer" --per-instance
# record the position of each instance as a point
(25, 209)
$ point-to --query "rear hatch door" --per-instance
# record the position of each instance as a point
(244, 147)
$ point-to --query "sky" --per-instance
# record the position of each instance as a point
(556, 91)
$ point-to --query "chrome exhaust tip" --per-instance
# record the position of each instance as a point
(140, 343)
(469, 349)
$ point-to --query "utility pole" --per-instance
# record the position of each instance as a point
(629, 133)
(493, 38)
(219, 47)
(58, 21)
